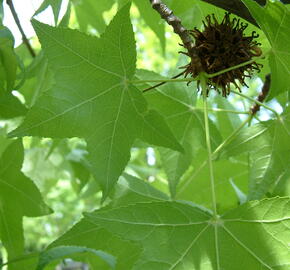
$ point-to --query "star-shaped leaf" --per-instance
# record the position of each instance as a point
(93, 99)
(87, 234)
(90, 12)
(129, 190)
(55, 5)
(177, 103)
(180, 236)
(269, 146)
(18, 197)
(274, 20)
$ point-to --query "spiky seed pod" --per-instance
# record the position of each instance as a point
(223, 45)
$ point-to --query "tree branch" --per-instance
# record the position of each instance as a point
(167, 14)
(159, 84)
(237, 7)
(16, 19)
(262, 96)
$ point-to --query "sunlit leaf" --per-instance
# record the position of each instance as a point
(269, 146)
(177, 103)
(181, 236)
(131, 189)
(91, 98)
(274, 20)
(54, 4)
(196, 186)
(87, 234)
(18, 197)
(8, 60)
(90, 13)
(10, 106)
(65, 251)
(152, 19)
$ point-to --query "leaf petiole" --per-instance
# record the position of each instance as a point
(237, 66)
(257, 102)
(203, 79)
(164, 80)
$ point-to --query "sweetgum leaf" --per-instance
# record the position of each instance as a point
(8, 60)
(64, 251)
(175, 235)
(54, 4)
(196, 186)
(152, 19)
(131, 189)
(10, 106)
(87, 234)
(269, 146)
(18, 197)
(177, 103)
(92, 99)
(274, 20)
(90, 12)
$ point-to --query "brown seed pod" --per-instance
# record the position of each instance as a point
(223, 45)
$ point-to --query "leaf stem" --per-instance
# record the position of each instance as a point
(163, 80)
(219, 110)
(231, 137)
(257, 102)
(17, 21)
(216, 151)
(237, 66)
(203, 79)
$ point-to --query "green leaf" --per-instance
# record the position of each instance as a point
(131, 189)
(39, 79)
(90, 12)
(55, 5)
(192, 12)
(269, 147)
(18, 197)
(87, 234)
(10, 106)
(177, 103)
(226, 122)
(92, 99)
(179, 236)
(64, 251)
(8, 60)
(1, 11)
(152, 19)
(274, 20)
(196, 186)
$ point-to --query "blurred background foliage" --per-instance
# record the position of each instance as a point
(59, 167)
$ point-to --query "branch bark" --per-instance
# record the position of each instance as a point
(167, 14)
(262, 96)
(16, 19)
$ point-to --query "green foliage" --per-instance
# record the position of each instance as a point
(116, 109)
(275, 22)
(131, 178)
(55, 5)
(18, 197)
(180, 236)
(59, 252)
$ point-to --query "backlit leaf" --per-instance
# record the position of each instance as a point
(180, 236)
(18, 197)
(92, 99)
(269, 146)
(274, 20)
